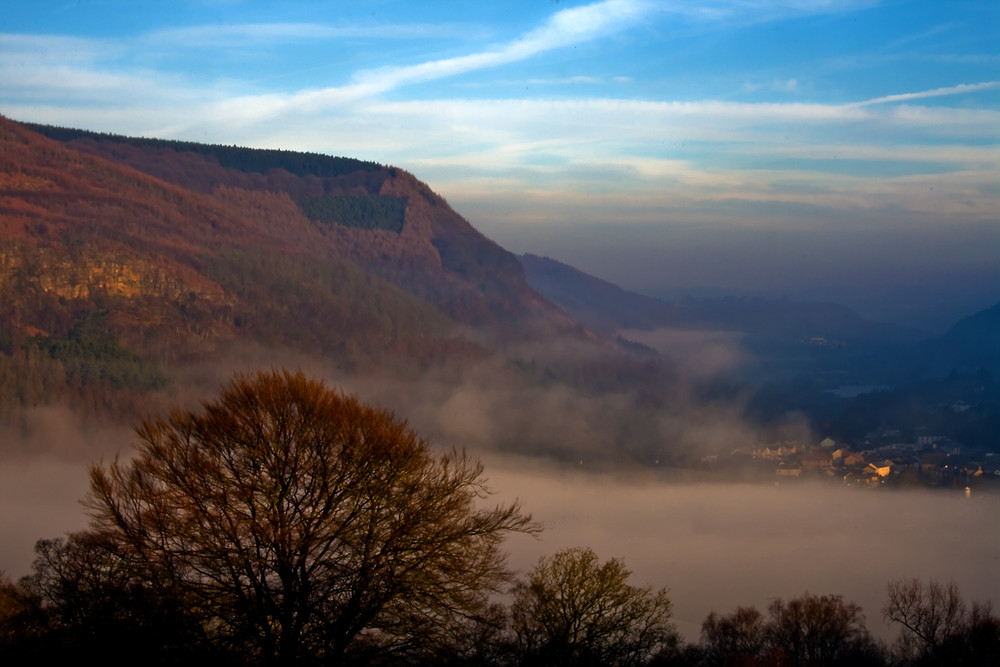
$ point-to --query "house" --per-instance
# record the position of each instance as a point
(786, 470)
(854, 459)
(881, 470)
(777, 451)
(817, 458)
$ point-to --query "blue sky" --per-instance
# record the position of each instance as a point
(807, 147)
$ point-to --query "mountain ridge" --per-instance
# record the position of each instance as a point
(434, 240)
(111, 275)
(608, 308)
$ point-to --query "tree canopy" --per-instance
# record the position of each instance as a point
(303, 524)
(574, 610)
(938, 628)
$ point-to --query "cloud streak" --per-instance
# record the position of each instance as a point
(270, 34)
(961, 89)
(565, 28)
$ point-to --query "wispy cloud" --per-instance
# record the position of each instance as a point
(960, 89)
(755, 11)
(240, 35)
(565, 28)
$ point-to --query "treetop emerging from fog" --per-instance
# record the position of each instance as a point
(304, 523)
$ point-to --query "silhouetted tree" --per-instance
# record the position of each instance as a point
(938, 627)
(96, 602)
(23, 624)
(303, 525)
(573, 610)
(928, 613)
(736, 640)
(819, 630)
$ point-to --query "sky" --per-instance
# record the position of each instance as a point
(839, 149)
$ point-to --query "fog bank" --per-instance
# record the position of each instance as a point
(717, 546)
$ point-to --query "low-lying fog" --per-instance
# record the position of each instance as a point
(715, 546)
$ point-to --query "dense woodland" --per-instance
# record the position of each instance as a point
(127, 263)
(230, 157)
(364, 211)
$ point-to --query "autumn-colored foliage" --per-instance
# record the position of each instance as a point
(123, 260)
(301, 524)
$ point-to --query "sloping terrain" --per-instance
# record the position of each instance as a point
(126, 261)
(382, 218)
(608, 308)
(131, 268)
(109, 275)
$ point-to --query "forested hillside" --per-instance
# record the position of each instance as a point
(125, 261)
(380, 217)
(109, 277)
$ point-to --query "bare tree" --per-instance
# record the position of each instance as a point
(97, 602)
(305, 525)
(23, 624)
(929, 612)
(737, 639)
(818, 630)
(938, 628)
(573, 610)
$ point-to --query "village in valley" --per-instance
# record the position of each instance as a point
(882, 460)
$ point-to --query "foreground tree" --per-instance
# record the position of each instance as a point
(736, 640)
(90, 599)
(820, 630)
(928, 613)
(23, 625)
(810, 630)
(937, 626)
(302, 525)
(573, 610)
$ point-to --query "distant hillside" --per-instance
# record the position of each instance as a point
(133, 268)
(973, 342)
(109, 277)
(379, 217)
(981, 327)
(124, 261)
(608, 308)
(597, 303)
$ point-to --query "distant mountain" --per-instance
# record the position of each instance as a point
(124, 261)
(973, 342)
(600, 305)
(979, 328)
(379, 217)
(608, 308)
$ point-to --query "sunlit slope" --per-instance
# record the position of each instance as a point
(124, 260)
(380, 217)
(109, 275)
